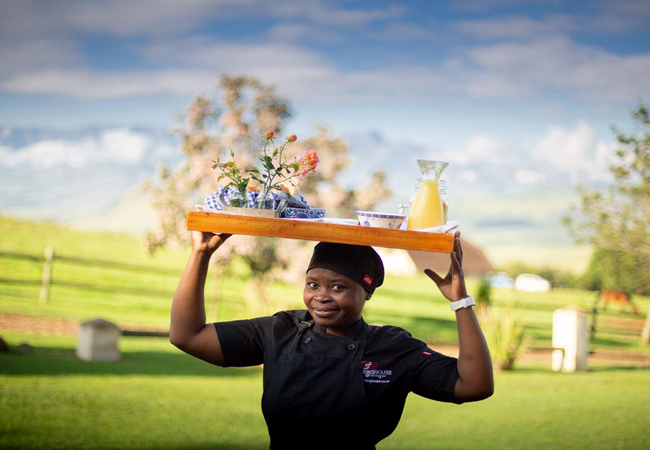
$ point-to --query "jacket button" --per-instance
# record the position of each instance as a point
(351, 347)
(307, 341)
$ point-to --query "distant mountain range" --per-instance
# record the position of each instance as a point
(90, 177)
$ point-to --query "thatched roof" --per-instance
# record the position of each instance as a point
(475, 263)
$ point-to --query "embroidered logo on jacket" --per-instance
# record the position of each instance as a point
(371, 373)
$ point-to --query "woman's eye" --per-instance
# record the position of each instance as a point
(338, 288)
(311, 285)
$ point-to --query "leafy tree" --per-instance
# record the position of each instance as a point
(236, 121)
(617, 221)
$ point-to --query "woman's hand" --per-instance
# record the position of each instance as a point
(206, 242)
(452, 286)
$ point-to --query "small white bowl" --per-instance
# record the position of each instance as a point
(380, 220)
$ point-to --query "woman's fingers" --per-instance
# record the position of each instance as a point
(434, 276)
(458, 249)
(202, 240)
(219, 239)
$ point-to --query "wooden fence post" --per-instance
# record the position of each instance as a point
(645, 335)
(47, 274)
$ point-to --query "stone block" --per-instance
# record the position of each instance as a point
(98, 340)
(570, 340)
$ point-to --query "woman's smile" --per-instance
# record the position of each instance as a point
(325, 312)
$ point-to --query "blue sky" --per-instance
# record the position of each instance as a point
(508, 90)
(428, 71)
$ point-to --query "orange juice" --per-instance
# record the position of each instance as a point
(427, 209)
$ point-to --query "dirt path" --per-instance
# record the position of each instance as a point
(50, 326)
(65, 327)
(37, 325)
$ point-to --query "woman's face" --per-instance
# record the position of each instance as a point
(333, 300)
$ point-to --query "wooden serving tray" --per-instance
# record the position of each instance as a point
(319, 231)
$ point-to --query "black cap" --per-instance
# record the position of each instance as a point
(358, 262)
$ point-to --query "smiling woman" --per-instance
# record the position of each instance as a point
(325, 368)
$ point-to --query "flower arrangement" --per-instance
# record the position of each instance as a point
(277, 173)
(237, 181)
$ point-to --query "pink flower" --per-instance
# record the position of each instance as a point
(270, 134)
(311, 159)
(307, 163)
(292, 138)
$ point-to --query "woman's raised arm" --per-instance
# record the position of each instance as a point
(475, 379)
(188, 330)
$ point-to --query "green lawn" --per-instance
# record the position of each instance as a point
(157, 397)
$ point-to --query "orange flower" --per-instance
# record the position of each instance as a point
(311, 159)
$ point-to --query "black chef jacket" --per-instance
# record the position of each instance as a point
(359, 386)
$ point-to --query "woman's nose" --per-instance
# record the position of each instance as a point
(322, 296)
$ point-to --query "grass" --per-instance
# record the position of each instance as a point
(157, 397)
(535, 408)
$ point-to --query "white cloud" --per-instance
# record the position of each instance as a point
(513, 70)
(323, 12)
(575, 150)
(303, 32)
(568, 149)
(297, 73)
(484, 148)
(113, 146)
(124, 146)
(469, 176)
(405, 31)
(126, 18)
(42, 52)
(480, 149)
(529, 176)
(86, 83)
(516, 27)
(232, 57)
(34, 54)
(112, 17)
(555, 63)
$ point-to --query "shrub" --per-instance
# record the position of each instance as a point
(505, 335)
(484, 292)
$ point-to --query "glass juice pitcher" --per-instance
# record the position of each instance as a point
(427, 209)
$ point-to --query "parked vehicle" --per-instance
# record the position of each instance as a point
(501, 280)
(528, 282)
